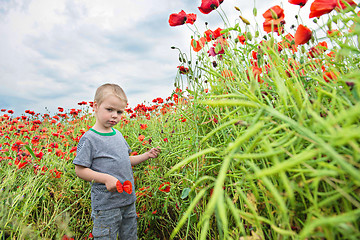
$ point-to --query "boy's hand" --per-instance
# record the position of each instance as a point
(153, 153)
(110, 183)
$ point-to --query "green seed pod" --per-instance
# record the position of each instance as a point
(303, 50)
(315, 20)
(255, 12)
(257, 34)
(273, 14)
(249, 36)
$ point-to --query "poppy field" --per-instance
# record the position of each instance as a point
(259, 139)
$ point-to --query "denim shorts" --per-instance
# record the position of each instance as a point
(118, 223)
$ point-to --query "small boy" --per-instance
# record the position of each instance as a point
(103, 158)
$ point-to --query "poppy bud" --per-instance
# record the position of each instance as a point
(238, 9)
(249, 36)
(244, 20)
(255, 12)
(303, 50)
(172, 47)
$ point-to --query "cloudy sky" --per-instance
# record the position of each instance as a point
(56, 53)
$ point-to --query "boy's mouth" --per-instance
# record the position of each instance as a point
(112, 122)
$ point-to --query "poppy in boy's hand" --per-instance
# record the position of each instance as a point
(126, 186)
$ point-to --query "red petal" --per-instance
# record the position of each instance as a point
(321, 7)
(302, 35)
(119, 187)
(127, 187)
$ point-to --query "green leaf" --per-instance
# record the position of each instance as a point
(30, 151)
(185, 193)
(189, 159)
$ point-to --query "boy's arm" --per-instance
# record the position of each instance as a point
(152, 153)
(90, 175)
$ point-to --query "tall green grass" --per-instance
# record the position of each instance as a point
(246, 156)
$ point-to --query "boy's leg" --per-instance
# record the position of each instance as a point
(128, 226)
(106, 224)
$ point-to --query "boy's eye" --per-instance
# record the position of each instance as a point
(120, 112)
(109, 109)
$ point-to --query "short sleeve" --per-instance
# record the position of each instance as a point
(127, 145)
(84, 153)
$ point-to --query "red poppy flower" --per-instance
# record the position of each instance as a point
(274, 19)
(217, 33)
(274, 26)
(141, 138)
(65, 237)
(35, 140)
(288, 42)
(55, 173)
(191, 18)
(177, 19)
(183, 70)
(321, 7)
(333, 33)
(208, 5)
(301, 3)
(242, 39)
(22, 165)
(318, 49)
(165, 187)
(209, 35)
(227, 74)
(273, 13)
(302, 35)
(143, 126)
(17, 145)
(126, 186)
(198, 45)
(329, 76)
(257, 71)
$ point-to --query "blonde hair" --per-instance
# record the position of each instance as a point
(109, 89)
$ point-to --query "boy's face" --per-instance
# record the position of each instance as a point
(108, 113)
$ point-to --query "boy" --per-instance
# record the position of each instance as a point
(103, 158)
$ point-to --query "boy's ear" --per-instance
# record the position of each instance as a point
(95, 106)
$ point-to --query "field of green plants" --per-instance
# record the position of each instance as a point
(259, 139)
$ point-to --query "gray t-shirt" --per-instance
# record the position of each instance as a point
(106, 153)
